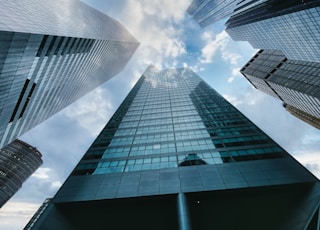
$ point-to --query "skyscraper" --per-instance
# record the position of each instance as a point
(206, 12)
(296, 83)
(52, 53)
(176, 155)
(18, 160)
(290, 26)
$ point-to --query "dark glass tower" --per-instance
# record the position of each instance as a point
(51, 54)
(296, 83)
(177, 155)
(292, 26)
(18, 161)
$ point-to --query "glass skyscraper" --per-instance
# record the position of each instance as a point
(51, 54)
(18, 160)
(206, 12)
(177, 155)
(296, 83)
(290, 26)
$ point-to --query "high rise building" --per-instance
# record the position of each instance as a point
(296, 83)
(177, 155)
(206, 12)
(52, 53)
(290, 26)
(18, 160)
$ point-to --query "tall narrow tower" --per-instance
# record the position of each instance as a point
(177, 155)
(51, 54)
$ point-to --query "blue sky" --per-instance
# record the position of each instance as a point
(168, 38)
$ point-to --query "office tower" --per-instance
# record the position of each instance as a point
(177, 155)
(52, 53)
(290, 26)
(206, 12)
(296, 83)
(18, 160)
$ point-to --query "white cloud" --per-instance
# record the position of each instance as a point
(166, 9)
(235, 73)
(212, 46)
(42, 173)
(154, 24)
(229, 56)
(249, 97)
(195, 68)
(15, 215)
(44, 177)
(15, 209)
(56, 184)
(218, 44)
(308, 152)
(92, 111)
(157, 25)
(207, 36)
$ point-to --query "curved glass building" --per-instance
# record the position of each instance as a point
(18, 161)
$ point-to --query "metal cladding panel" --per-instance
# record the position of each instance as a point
(186, 179)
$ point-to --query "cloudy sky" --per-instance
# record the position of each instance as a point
(168, 38)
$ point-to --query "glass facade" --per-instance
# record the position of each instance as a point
(18, 161)
(169, 115)
(45, 66)
(210, 11)
(206, 12)
(178, 154)
(290, 26)
(296, 83)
